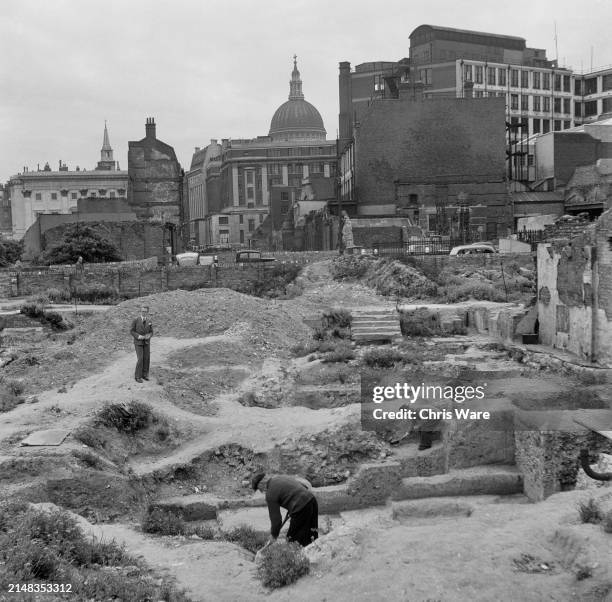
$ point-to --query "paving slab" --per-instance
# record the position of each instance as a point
(49, 437)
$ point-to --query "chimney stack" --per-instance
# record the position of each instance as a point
(150, 127)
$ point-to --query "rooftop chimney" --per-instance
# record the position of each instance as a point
(150, 127)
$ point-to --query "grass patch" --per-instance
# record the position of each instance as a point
(36, 311)
(590, 511)
(89, 459)
(11, 391)
(282, 563)
(95, 293)
(50, 546)
(340, 318)
(247, 537)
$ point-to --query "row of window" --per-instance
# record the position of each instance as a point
(292, 151)
(540, 103)
(84, 193)
(498, 76)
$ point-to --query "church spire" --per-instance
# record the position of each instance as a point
(295, 85)
(106, 154)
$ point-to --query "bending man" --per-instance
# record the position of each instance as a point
(296, 497)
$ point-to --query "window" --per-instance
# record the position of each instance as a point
(54, 196)
(590, 108)
(284, 196)
(557, 125)
(478, 94)
(249, 193)
(606, 81)
(241, 236)
(514, 78)
(566, 106)
(261, 218)
(479, 71)
(607, 105)
(567, 125)
(557, 105)
(524, 79)
(501, 77)
(249, 177)
(566, 83)
(578, 87)
(524, 103)
(241, 218)
(578, 109)
(546, 81)
(73, 195)
(530, 160)
(112, 194)
(491, 76)
(38, 196)
(590, 86)
(546, 126)
(468, 73)
(546, 104)
(536, 103)
(536, 80)
(251, 225)
(514, 102)
(224, 236)
(557, 82)
(536, 126)
(223, 220)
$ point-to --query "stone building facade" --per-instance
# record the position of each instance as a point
(48, 192)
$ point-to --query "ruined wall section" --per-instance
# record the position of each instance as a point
(575, 293)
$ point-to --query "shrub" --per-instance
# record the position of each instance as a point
(590, 511)
(320, 334)
(419, 323)
(349, 267)
(382, 358)
(248, 538)
(56, 295)
(90, 436)
(95, 293)
(130, 418)
(16, 387)
(163, 522)
(10, 251)
(282, 563)
(342, 352)
(301, 349)
(82, 241)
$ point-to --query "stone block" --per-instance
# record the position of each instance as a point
(189, 507)
(428, 508)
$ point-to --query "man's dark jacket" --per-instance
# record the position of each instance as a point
(140, 328)
(287, 493)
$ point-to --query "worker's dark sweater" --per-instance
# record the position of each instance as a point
(288, 493)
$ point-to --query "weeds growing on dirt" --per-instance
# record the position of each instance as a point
(590, 511)
(163, 522)
(130, 418)
(382, 358)
(37, 545)
(247, 537)
(282, 563)
(341, 352)
(88, 458)
(340, 318)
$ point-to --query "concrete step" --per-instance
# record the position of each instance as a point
(377, 328)
(480, 480)
(373, 323)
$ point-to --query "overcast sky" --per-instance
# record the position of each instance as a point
(220, 69)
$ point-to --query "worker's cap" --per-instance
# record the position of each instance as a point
(255, 480)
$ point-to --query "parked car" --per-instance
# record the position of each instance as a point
(187, 259)
(207, 259)
(433, 245)
(253, 256)
(473, 249)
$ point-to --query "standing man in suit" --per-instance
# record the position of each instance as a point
(142, 331)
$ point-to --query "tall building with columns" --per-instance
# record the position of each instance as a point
(240, 180)
(47, 191)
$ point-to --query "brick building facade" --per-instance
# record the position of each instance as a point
(431, 161)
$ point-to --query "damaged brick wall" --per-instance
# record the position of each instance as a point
(575, 293)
